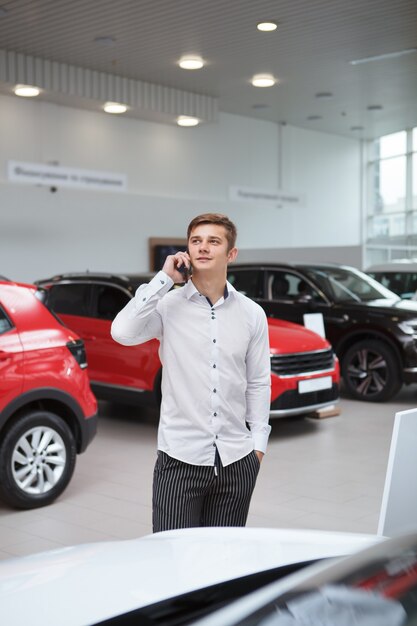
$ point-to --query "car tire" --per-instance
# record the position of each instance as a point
(37, 460)
(371, 371)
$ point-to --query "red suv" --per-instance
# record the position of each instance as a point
(47, 409)
(304, 368)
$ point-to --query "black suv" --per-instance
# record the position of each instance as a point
(372, 330)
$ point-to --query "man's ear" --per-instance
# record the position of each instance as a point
(231, 255)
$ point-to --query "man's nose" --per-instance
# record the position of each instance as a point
(204, 245)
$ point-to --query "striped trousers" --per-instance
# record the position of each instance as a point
(185, 496)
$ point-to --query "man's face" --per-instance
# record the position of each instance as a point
(208, 249)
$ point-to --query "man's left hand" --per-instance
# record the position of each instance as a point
(260, 455)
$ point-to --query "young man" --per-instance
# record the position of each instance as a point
(214, 349)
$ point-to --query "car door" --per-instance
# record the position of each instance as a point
(133, 367)
(71, 301)
(11, 360)
(289, 295)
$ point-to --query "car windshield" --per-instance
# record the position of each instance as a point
(342, 284)
(380, 590)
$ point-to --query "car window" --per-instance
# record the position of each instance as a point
(404, 284)
(5, 324)
(248, 282)
(283, 285)
(346, 284)
(109, 301)
(70, 299)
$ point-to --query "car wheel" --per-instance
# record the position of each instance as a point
(37, 460)
(370, 371)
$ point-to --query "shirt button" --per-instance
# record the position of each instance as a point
(214, 390)
(143, 299)
(214, 365)
(215, 414)
(214, 341)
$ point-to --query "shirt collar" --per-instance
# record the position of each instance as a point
(190, 289)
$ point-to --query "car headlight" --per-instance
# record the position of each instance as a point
(409, 327)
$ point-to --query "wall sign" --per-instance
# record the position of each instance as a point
(57, 176)
(277, 198)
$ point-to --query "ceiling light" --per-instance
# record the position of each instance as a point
(260, 106)
(191, 63)
(267, 27)
(186, 120)
(115, 107)
(382, 57)
(324, 95)
(27, 91)
(375, 107)
(263, 80)
(312, 118)
(356, 128)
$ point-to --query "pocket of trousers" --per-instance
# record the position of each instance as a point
(257, 459)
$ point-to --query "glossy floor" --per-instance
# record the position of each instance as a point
(323, 474)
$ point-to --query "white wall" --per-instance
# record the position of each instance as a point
(328, 169)
(173, 174)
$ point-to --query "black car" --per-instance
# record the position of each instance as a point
(372, 330)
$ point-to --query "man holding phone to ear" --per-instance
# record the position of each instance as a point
(214, 348)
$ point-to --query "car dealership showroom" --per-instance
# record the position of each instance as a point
(139, 354)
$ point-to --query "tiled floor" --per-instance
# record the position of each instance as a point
(325, 474)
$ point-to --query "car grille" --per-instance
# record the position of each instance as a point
(302, 362)
(294, 400)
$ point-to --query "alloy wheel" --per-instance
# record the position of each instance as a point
(38, 460)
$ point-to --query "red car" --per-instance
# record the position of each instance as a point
(47, 409)
(304, 368)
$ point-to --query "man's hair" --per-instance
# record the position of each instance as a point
(219, 220)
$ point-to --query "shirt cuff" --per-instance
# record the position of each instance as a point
(160, 284)
(260, 441)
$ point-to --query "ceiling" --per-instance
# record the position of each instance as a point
(309, 53)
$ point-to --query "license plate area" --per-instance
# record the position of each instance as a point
(315, 384)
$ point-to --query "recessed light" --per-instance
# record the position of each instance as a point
(260, 106)
(191, 63)
(105, 40)
(324, 95)
(382, 57)
(267, 27)
(115, 107)
(27, 91)
(312, 118)
(264, 80)
(375, 107)
(186, 120)
(356, 128)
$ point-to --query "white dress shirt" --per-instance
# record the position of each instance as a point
(216, 368)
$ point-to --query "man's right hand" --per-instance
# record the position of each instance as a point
(173, 262)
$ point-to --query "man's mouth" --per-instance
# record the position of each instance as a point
(203, 258)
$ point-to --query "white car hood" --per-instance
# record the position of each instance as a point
(88, 583)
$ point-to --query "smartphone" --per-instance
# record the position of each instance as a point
(185, 271)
